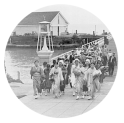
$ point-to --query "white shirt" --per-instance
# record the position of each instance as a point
(109, 54)
(78, 52)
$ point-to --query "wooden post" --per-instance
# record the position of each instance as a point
(58, 30)
(58, 24)
(38, 38)
(87, 41)
(52, 43)
(49, 41)
(40, 41)
(18, 75)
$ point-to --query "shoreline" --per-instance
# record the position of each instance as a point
(35, 46)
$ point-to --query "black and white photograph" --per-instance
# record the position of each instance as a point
(61, 61)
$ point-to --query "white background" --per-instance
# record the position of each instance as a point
(111, 109)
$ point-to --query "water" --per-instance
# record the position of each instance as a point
(22, 59)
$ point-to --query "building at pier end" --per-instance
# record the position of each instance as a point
(30, 24)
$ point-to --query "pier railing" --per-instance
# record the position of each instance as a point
(99, 41)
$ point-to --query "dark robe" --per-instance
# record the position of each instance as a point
(48, 83)
(111, 63)
(68, 67)
(104, 60)
(71, 58)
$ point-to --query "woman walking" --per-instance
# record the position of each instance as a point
(37, 75)
(64, 73)
(56, 73)
(47, 80)
(84, 70)
(76, 79)
(92, 76)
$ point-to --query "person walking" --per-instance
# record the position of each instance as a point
(68, 67)
(64, 72)
(82, 58)
(84, 70)
(37, 75)
(48, 83)
(54, 62)
(112, 63)
(101, 67)
(76, 78)
(91, 77)
(104, 59)
(72, 57)
(56, 74)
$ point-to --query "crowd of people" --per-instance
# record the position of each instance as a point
(84, 71)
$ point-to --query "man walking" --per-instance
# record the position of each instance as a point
(112, 63)
(72, 57)
(68, 67)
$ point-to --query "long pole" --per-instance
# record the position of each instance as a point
(95, 29)
(38, 38)
(52, 39)
(49, 41)
(40, 41)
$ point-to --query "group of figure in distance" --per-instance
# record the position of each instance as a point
(83, 71)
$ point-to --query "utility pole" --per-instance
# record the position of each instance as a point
(58, 25)
(95, 29)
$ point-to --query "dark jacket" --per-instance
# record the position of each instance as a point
(69, 69)
(71, 58)
(104, 61)
(113, 62)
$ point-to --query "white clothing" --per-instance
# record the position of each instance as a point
(58, 77)
(57, 73)
(97, 72)
(72, 77)
(109, 54)
(84, 70)
(89, 74)
(78, 52)
(42, 67)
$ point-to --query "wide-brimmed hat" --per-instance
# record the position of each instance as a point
(99, 59)
(88, 60)
(61, 61)
(92, 63)
(85, 54)
(81, 52)
(76, 60)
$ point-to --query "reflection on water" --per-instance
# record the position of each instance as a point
(21, 59)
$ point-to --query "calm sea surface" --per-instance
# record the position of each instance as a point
(21, 59)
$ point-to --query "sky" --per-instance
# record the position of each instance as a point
(78, 18)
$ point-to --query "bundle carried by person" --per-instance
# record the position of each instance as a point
(102, 67)
(77, 72)
(51, 78)
(96, 74)
(105, 69)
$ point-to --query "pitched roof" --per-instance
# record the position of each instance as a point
(35, 17)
